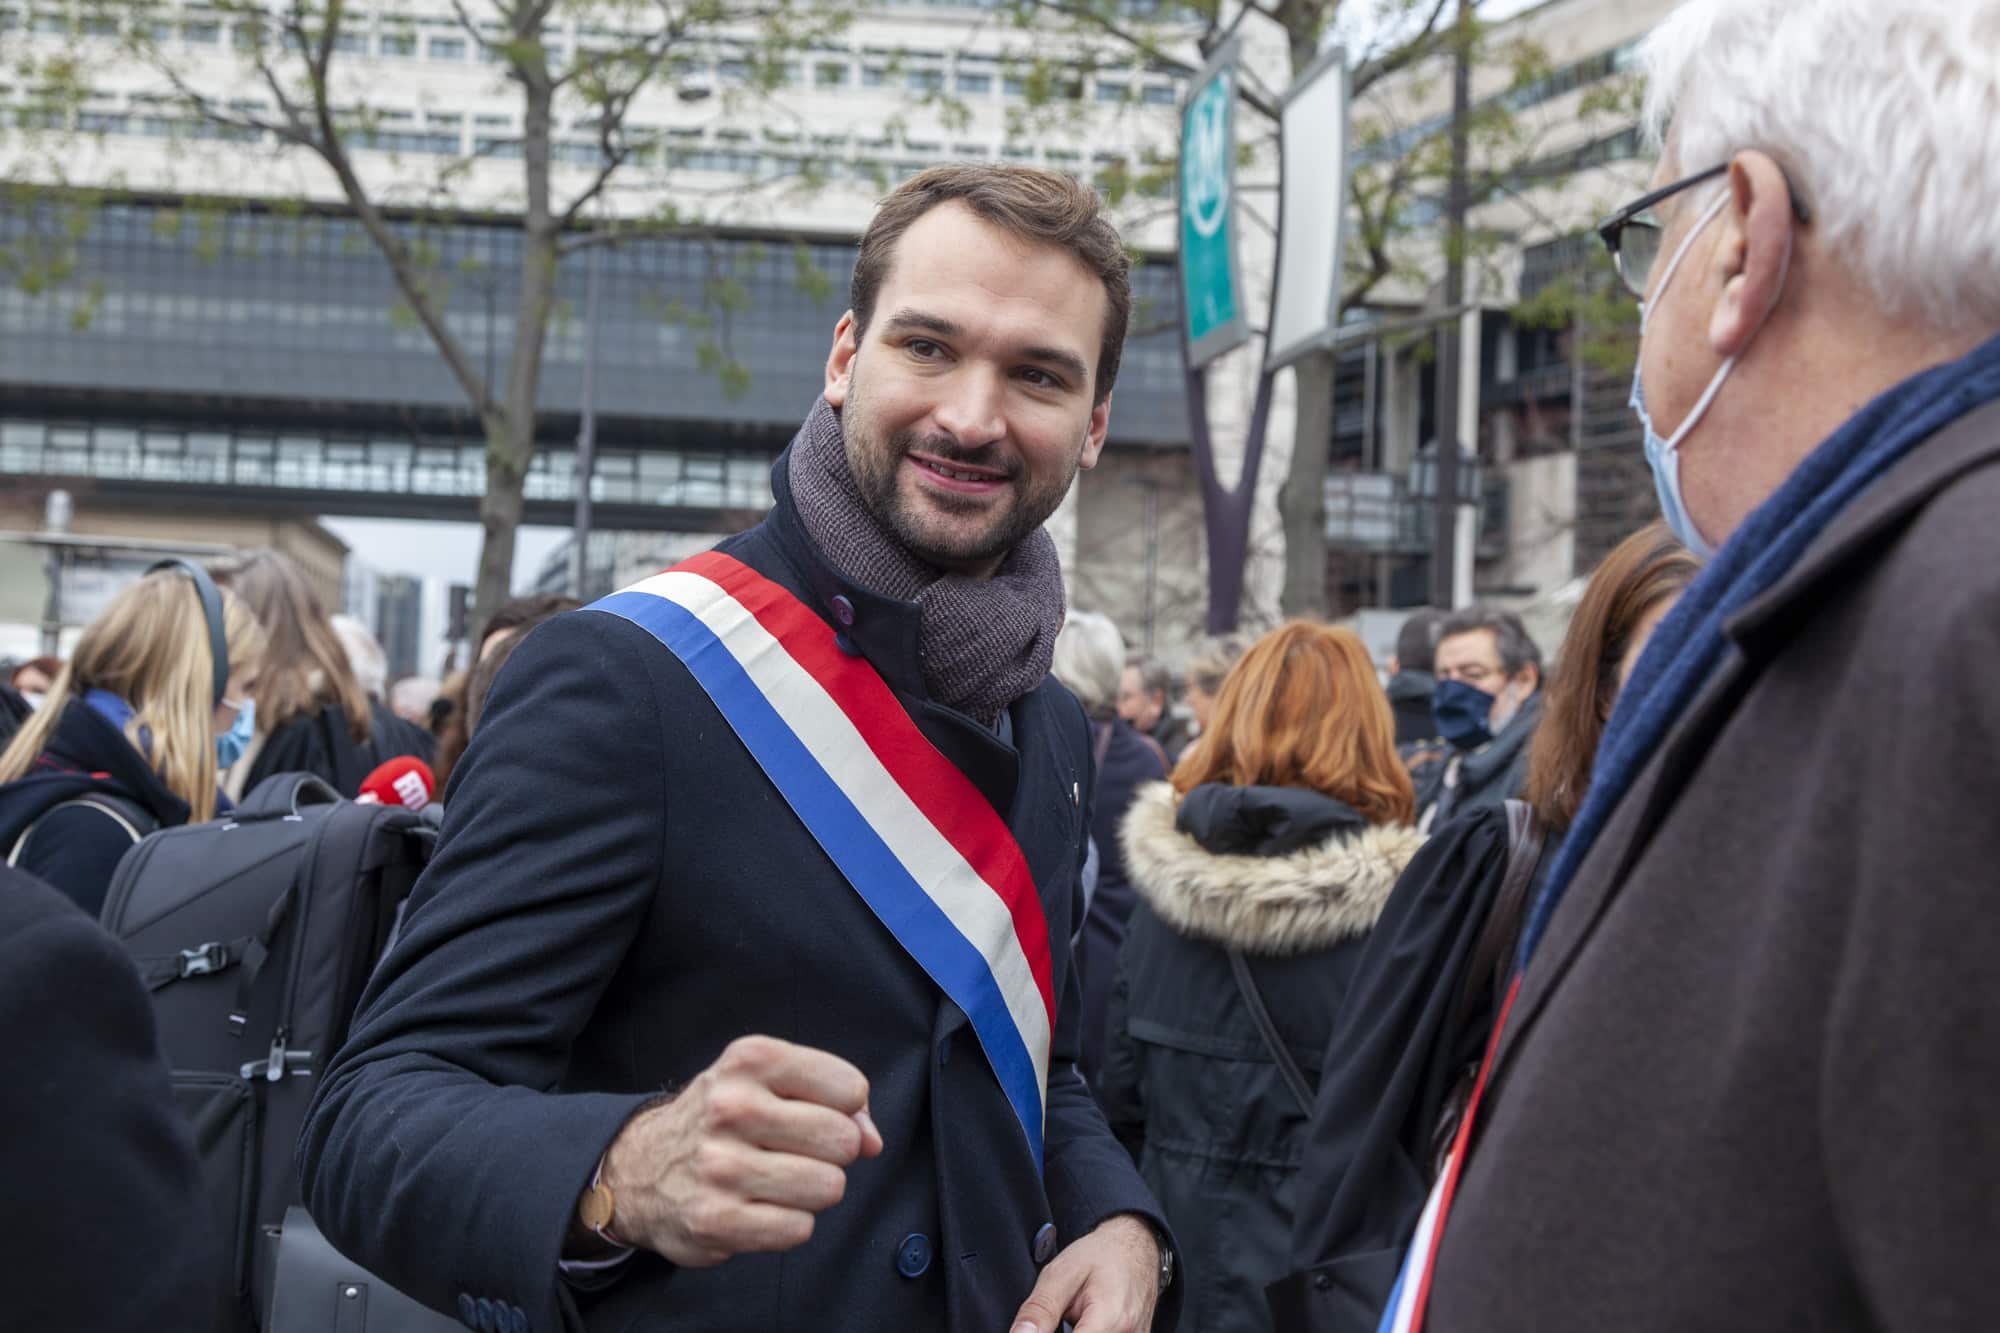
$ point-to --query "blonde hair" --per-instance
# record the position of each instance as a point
(150, 648)
(306, 668)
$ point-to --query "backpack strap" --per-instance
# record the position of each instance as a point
(1295, 1078)
(129, 815)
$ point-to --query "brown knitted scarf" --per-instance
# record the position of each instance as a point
(984, 642)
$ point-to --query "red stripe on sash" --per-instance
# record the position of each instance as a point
(934, 784)
(1461, 1143)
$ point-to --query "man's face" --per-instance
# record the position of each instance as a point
(967, 404)
(1137, 704)
(1474, 657)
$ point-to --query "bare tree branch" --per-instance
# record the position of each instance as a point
(1409, 53)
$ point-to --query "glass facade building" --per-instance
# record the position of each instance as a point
(269, 353)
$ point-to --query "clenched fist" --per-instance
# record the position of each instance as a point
(744, 1157)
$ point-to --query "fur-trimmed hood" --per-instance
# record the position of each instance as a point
(1289, 903)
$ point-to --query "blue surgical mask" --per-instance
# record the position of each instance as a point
(231, 744)
(1663, 455)
(1460, 711)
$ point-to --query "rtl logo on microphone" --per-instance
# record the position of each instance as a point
(412, 791)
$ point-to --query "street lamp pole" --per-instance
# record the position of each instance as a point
(586, 434)
(1444, 556)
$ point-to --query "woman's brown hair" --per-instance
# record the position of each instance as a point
(1645, 570)
(1303, 709)
(306, 667)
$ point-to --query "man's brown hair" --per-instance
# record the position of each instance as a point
(1040, 207)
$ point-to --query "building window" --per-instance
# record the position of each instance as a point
(397, 44)
(829, 75)
(925, 80)
(1111, 92)
(446, 48)
(974, 85)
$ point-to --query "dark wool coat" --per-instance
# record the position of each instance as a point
(319, 743)
(104, 1212)
(1753, 1072)
(1130, 760)
(76, 848)
(618, 894)
(1295, 881)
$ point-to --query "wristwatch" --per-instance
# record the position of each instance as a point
(595, 1207)
(1165, 1242)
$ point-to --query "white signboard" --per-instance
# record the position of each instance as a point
(1313, 150)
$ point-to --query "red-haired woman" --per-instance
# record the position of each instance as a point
(1276, 843)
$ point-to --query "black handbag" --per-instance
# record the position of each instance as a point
(320, 1290)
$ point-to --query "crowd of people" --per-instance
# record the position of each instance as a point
(840, 929)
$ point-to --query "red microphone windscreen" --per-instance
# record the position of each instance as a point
(406, 781)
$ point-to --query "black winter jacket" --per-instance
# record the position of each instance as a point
(1130, 760)
(1294, 880)
(319, 743)
(105, 1214)
(77, 847)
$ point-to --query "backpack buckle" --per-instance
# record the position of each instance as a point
(201, 961)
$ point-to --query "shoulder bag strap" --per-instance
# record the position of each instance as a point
(128, 818)
(1102, 746)
(1295, 1078)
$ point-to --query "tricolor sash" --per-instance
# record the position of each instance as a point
(918, 841)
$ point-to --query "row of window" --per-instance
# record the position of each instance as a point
(970, 77)
(1566, 79)
(396, 467)
(874, 160)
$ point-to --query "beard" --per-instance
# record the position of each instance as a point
(965, 534)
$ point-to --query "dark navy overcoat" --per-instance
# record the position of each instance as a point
(618, 894)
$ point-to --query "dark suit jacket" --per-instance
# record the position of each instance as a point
(103, 1218)
(1751, 1077)
(618, 894)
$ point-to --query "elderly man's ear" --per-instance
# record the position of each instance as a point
(1754, 252)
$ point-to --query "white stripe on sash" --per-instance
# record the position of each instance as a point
(975, 909)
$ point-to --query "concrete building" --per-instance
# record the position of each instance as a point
(219, 339)
(56, 576)
(1563, 478)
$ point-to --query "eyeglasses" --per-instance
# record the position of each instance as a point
(1632, 234)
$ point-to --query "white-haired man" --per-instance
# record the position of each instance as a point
(1750, 1073)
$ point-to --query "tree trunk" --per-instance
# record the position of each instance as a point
(1226, 512)
(510, 438)
(500, 509)
(1302, 499)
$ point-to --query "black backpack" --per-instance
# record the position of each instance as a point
(255, 933)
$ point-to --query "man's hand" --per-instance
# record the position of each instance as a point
(1108, 1282)
(744, 1157)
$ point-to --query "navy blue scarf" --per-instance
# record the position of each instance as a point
(1689, 644)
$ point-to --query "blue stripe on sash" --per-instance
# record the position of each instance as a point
(877, 874)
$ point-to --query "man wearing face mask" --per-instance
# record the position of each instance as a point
(1746, 1075)
(1486, 703)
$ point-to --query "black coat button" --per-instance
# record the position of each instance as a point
(913, 1256)
(1323, 1281)
(846, 645)
(468, 1313)
(843, 610)
(1045, 1243)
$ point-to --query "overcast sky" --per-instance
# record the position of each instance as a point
(450, 551)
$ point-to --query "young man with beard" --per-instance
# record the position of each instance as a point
(738, 996)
